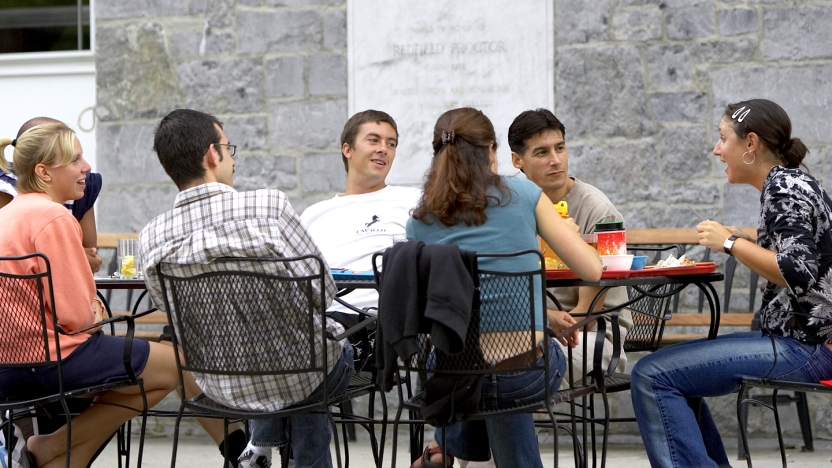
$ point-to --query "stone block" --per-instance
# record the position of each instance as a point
(302, 2)
(641, 2)
(679, 107)
(327, 74)
(306, 125)
(684, 154)
(699, 193)
(259, 32)
(248, 133)
(125, 151)
(738, 21)
(128, 208)
(219, 13)
(635, 216)
(249, 2)
(626, 172)
(110, 9)
(284, 76)
(262, 171)
(335, 29)
(637, 25)
(581, 21)
(797, 33)
(134, 76)
(741, 205)
(601, 92)
(668, 66)
(223, 86)
(691, 20)
(723, 51)
(804, 91)
(185, 45)
(322, 173)
(664, 215)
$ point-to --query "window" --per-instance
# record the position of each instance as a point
(44, 25)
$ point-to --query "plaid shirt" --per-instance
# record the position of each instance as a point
(211, 221)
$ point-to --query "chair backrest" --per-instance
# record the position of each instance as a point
(649, 314)
(503, 319)
(24, 334)
(242, 316)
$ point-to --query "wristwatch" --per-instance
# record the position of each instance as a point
(729, 244)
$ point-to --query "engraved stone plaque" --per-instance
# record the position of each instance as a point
(417, 59)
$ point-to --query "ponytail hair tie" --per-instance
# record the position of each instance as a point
(448, 138)
(14, 142)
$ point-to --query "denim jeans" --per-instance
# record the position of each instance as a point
(310, 432)
(511, 439)
(668, 385)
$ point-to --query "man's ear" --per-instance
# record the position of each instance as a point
(211, 157)
(516, 160)
(346, 150)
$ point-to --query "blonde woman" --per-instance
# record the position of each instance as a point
(51, 169)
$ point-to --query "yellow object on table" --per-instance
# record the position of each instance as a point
(128, 265)
(549, 255)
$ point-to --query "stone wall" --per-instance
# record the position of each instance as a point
(639, 84)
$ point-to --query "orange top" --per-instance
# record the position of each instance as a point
(32, 222)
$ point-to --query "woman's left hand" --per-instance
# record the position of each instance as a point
(712, 234)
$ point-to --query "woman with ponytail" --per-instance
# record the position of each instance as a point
(465, 202)
(793, 251)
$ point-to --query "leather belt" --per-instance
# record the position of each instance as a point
(521, 360)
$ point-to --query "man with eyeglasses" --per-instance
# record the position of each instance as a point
(210, 220)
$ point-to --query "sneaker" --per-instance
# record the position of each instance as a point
(249, 459)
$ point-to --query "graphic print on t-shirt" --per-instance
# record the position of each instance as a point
(375, 220)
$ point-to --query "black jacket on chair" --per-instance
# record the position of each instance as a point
(423, 289)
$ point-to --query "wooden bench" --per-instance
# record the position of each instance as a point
(686, 237)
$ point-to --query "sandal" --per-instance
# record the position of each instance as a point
(425, 458)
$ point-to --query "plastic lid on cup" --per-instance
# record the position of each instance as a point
(609, 226)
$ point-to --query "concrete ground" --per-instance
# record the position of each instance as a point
(199, 451)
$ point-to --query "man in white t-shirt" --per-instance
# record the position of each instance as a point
(350, 227)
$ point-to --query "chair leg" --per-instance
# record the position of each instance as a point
(779, 431)
(742, 420)
(176, 436)
(335, 437)
(805, 421)
(68, 429)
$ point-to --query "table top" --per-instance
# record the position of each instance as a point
(639, 280)
(112, 282)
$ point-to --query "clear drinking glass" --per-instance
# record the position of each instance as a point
(127, 252)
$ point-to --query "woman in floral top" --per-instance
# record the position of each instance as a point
(793, 252)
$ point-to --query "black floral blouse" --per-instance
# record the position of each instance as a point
(796, 223)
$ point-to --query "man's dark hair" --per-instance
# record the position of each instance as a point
(181, 140)
(530, 123)
(354, 124)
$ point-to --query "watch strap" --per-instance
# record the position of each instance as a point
(729, 244)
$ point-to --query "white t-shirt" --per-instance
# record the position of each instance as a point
(349, 229)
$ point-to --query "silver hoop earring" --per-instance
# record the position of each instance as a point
(752, 160)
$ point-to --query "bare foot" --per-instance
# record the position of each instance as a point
(42, 450)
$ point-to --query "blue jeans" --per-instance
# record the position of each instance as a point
(668, 385)
(511, 439)
(310, 432)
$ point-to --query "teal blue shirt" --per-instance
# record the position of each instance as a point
(510, 227)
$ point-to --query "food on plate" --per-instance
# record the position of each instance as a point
(672, 261)
(554, 263)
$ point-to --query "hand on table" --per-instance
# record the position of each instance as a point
(560, 320)
(713, 235)
(93, 259)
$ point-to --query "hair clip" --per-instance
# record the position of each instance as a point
(448, 138)
(14, 142)
(739, 112)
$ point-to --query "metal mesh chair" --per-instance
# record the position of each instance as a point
(503, 301)
(239, 321)
(25, 326)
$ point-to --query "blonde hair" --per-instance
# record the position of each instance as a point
(51, 144)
